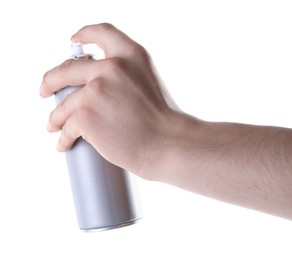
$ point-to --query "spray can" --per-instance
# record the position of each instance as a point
(105, 196)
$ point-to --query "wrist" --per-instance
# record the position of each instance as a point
(174, 141)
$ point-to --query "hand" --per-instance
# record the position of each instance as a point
(120, 109)
(122, 112)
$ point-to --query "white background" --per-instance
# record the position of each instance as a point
(221, 61)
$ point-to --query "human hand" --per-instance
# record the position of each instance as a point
(120, 108)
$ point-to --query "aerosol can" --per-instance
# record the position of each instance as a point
(105, 196)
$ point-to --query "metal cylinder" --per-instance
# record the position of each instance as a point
(105, 196)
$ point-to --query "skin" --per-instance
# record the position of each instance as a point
(123, 111)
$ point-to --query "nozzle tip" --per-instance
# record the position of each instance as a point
(77, 49)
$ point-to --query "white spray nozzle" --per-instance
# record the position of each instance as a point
(77, 50)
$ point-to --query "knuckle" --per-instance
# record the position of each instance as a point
(95, 88)
(106, 26)
(83, 116)
(83, 112)
(64, 67)
(114, 65)
(138, 51)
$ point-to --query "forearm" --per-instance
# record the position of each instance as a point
(247, 165)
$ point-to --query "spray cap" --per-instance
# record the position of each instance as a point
(77, 50)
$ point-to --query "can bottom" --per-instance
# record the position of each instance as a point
(124, 224)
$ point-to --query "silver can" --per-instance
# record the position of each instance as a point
(105, 195)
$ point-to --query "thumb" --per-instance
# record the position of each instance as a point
(112, 41)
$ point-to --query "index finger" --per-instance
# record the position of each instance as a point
(112, 41)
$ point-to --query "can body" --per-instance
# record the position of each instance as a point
(105, 195)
